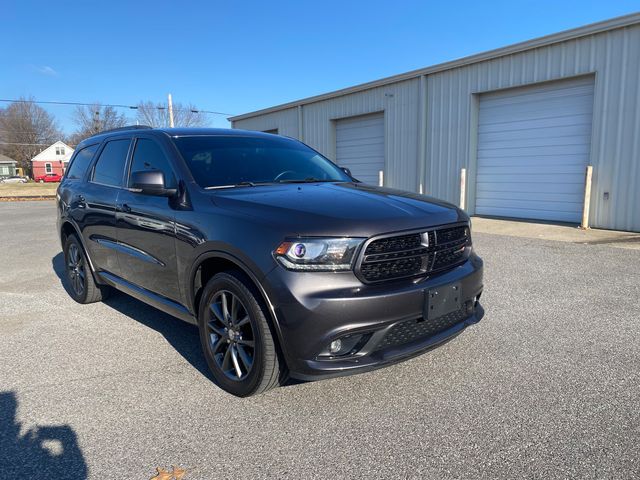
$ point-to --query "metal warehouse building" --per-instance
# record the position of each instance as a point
(524, 121)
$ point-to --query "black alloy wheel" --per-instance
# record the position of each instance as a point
(78, 279)
(231, 336)
(236, 337)
(76, 270)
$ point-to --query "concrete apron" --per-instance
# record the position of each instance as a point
(558, 232)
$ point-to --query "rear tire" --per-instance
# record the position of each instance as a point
(235, 336)
(78, 278)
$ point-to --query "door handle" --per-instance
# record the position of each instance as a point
(126, 208)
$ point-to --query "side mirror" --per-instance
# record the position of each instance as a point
(347, 171)
(151, 182)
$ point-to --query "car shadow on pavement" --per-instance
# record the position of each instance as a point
(182, 336)
(40, 452)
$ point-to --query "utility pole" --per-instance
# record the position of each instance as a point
(170, 112)
(96, 121)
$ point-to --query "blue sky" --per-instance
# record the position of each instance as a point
(241, 56)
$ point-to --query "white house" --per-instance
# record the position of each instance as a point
(52, 159)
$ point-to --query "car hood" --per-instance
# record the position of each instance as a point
(342, 209)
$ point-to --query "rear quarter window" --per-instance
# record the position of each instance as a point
(81, 162)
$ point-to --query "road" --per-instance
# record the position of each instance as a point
(545, 386)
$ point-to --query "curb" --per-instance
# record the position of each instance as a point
(26, 198)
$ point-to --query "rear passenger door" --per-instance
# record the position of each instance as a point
(146, 225)
(97, 201)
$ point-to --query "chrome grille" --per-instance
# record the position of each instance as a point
(418, 253)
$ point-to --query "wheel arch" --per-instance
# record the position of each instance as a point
(212, 262)
(69, 228)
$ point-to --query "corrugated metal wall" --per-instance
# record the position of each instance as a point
(286, 121)
(397, 101)
(614, 58)
(451, 119)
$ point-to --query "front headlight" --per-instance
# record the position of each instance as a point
(318, 254)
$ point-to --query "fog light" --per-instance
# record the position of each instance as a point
(346, 345)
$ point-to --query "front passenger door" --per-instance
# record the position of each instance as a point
(146, 226)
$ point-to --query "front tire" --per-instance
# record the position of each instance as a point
(236, 339)
(78, 279)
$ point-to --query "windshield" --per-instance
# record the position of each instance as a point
(221, 161)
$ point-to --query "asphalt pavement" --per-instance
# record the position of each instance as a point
(547, 385)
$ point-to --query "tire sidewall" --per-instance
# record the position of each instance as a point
(67, 281)
(227, 281)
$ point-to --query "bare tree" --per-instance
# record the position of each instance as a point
(92, 119)
(25, 130)
(157, 115)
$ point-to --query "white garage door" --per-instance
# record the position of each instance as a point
(360, 146)
(533, 148)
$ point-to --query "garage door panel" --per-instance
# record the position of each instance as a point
(535, 106)
(529, 213)
(542, 104)
(529, 114)
(530, 124)
(361, 149)
(554, 150)
(533, 147)
(360, 146)
(358, 136)
(546, 205)
(514, 178)
(373, 142)
(515, 142)
(535, 188)
(540, 132)
(540, 93)
(362, 121)
(518, 195)
(560, 168)
(540, 161)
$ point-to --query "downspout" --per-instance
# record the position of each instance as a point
(422, 135)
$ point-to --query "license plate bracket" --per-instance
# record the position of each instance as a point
(442, 300)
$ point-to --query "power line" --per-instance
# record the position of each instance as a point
(114, 105)
(12, 143)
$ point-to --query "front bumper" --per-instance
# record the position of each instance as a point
(313, 309)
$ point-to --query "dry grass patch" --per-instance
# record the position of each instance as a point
(28, 190)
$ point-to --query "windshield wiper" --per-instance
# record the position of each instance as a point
(307, 180)
(239, 184)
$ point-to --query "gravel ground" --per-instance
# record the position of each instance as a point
(545, 386)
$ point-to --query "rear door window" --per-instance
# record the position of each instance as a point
(81, 162)
(109, 169)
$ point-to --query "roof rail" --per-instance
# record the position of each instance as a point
(129, 127)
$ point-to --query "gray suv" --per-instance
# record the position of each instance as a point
(288, 265)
